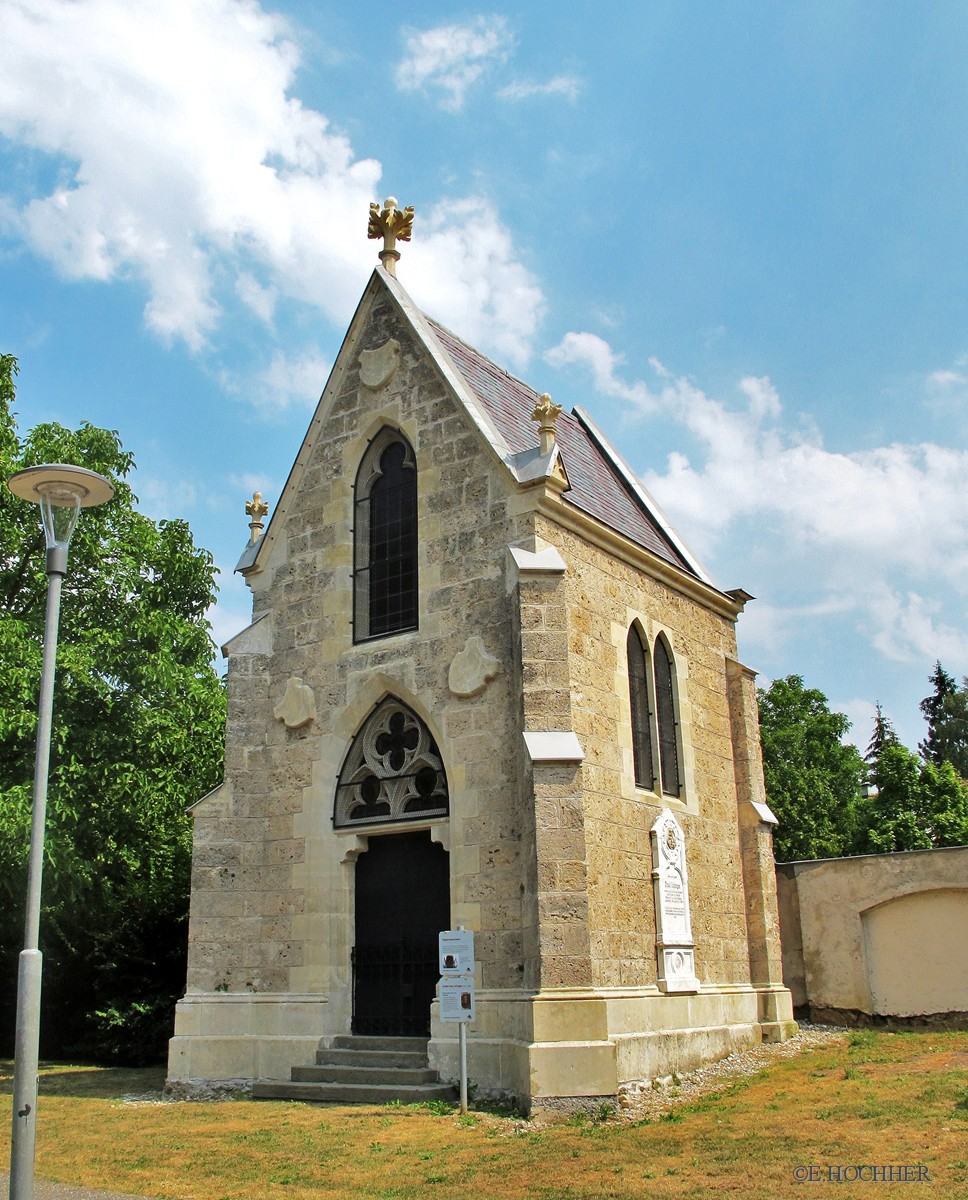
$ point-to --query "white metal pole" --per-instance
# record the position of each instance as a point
(24, 1127)
(462, 1039)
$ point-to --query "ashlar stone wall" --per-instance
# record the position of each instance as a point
(272, 888)
(603, 596)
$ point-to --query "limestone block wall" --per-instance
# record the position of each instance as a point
(604, 596)
(756, 838)
(877, 935)
(554, 792)
(272, 896)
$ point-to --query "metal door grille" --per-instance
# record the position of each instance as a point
(393, 986)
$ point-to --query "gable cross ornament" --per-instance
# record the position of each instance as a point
(256, 508)
(546, 413)
(393, 224)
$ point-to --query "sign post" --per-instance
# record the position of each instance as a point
(457, 991)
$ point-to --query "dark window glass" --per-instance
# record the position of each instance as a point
(666, 715)
(385, 575)
(641, 713)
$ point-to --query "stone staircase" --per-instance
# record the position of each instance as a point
(361, 1070)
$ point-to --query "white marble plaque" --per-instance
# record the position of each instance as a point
(670, 882)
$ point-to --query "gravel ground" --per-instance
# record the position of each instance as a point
(45, 1190)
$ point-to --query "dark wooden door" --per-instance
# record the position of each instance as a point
(402, 904)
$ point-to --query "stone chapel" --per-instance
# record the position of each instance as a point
(485, 685)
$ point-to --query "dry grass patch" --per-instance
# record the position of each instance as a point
(874, 1098)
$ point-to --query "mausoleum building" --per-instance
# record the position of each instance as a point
(485, 685)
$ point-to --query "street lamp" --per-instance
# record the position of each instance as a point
(61, 491)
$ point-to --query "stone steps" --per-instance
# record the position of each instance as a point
(361, 1070)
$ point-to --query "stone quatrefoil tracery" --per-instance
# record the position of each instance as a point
(393, 771)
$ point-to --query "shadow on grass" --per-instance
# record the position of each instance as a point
(88, 1082)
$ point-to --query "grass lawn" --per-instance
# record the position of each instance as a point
(876, 1098)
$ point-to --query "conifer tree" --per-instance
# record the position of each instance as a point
(946, 712)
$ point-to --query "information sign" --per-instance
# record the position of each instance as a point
(456, 952)
(457, 998)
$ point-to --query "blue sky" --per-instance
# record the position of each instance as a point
(735, 233)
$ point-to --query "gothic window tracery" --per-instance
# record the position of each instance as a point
(393, 771)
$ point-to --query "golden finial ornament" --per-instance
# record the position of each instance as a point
(546, 414)
(256, 508)
(394, 225)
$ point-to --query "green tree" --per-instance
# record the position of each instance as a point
(812, 777)
(946, 712)
(137, 737)
(890, 812)
(883, 736)
(910, 803)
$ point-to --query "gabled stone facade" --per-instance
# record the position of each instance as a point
(533, 564)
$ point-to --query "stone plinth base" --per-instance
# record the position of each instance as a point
(585, 1044)
(555, 1050)
(229, 1036)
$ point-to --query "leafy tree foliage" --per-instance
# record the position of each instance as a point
(910, 803)
(946, 712)
(812, 778)
(137, 737)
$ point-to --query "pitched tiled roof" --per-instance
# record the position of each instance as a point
(596, 485)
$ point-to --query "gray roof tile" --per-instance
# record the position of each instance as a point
(595, 486)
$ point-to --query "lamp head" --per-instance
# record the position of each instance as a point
(61, 490)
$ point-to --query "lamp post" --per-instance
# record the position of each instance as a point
(61, 491)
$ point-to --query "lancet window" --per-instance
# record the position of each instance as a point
(640, 689)
(385, 539)
(655, 726)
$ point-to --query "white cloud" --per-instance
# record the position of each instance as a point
(463, 269)
(567, 86)
(593, 352)
(947, 378)
(212, 186)
(451, 58)
(171, 169)
(256, 296)
(861, 714)
(881, 533)
(293, 381)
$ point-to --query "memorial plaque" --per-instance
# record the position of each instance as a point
(670, 882)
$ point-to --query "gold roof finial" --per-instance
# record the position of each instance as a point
(393, 224)
(256, 508)
(546, 414)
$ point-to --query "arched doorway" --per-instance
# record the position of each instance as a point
(402, 903)
(393, 775)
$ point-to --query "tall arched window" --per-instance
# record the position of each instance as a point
(639, 689)
(393, 771)
(655, 728)
(385, 539)
(665, 707)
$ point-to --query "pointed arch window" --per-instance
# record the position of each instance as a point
(639, 695)
(655, 726)
(393, 771)
(385, 539)
(665, 709)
